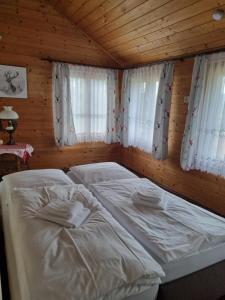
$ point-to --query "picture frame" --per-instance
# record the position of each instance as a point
(13, 82)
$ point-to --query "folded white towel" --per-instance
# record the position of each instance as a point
(151, 197)
(65, 213)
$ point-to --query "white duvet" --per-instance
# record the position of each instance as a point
(170, 234)
(97, 260)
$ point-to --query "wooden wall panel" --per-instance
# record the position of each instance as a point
(35, 28)
(206, 189)
(32, 30)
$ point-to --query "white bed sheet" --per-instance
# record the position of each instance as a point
(13, 229)
(92, 173)
(183, 238)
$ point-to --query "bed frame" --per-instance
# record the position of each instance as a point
(205, 284)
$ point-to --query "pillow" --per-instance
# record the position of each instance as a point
(36, 178)
(94, 173)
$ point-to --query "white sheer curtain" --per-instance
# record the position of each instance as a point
(93, 94)
(203, 145)
(140, 89)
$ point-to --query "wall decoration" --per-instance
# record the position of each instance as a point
(13, 82)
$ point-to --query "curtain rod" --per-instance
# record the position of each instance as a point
(175, 59)
(79, 64)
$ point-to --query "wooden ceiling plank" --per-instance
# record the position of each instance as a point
(198, 49)
(104, 8)
(165, 21)
(69, 7)
(39, 6)
(53, 2)
(32, 7)
(177, 37)
(202, 38)
(115, 13)
(188, 46)
(165, 32)
(86, 9)
(145, 19)
(126, 18)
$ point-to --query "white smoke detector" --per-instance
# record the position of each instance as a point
(218, 15)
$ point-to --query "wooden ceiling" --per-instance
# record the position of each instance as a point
(142, 31)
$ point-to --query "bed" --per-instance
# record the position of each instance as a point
(187, 241)
(48, 261)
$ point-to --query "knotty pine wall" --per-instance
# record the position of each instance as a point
(33, 30)
(206, 189)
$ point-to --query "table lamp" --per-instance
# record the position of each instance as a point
(11, 117)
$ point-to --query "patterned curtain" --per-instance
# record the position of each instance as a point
(112, 135)
(190, 132)
(64, 128)
(160, 135)
(124, 109)
(203, 146)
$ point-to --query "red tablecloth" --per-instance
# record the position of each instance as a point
(24, 151)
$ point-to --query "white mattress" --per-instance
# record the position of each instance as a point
(19, 283)
(93, 173)
(183, 238)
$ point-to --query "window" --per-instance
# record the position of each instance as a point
(90, 102)
(85, 106)
(89, 106)
(204, 140)
(144, 84)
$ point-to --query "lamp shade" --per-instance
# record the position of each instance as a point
(8, 114)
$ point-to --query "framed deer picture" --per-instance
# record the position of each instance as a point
(13, 82)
